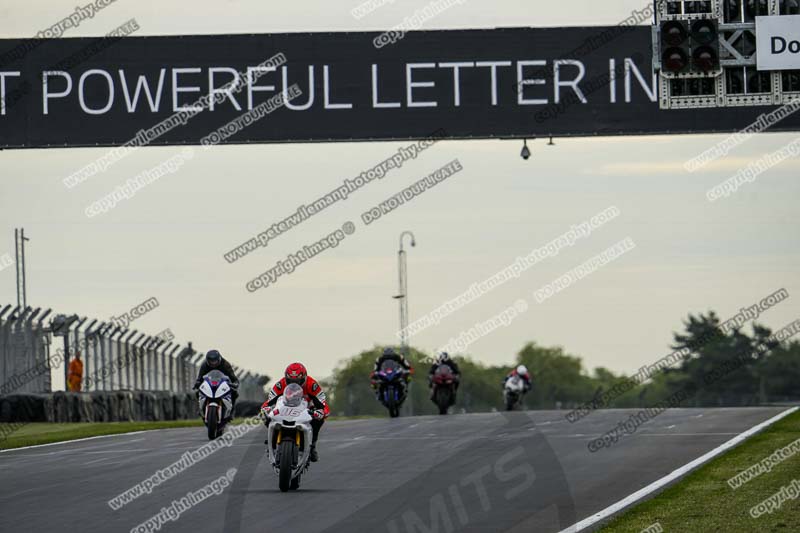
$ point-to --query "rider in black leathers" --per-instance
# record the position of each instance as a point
(390, 355)
(215, 361)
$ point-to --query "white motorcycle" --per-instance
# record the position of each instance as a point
(513, 391)
(289, 437)
(215, 402)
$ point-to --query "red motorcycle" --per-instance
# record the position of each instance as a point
(444, 388)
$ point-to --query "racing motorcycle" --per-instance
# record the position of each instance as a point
(289, 437)
(513, 390)
(391, 378)
(444, 388)
(215, 402)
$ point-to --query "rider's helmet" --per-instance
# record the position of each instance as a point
(522, 370)
(213, 358)
(389, 352)
(296, 373)
(443, 358)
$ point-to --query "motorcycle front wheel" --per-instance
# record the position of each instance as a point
(510, 403)
(443, 400)
(285, 460)
(212, 423)
(391, 403)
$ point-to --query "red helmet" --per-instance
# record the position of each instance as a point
(295, 373)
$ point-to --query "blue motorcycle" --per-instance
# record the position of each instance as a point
(391, 381)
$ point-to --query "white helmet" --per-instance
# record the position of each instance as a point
(443, 358)
(522, 370)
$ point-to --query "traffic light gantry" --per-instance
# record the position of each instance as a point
(705, 54)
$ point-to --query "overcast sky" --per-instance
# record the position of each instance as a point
(691, 255)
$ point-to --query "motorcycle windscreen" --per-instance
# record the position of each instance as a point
(515, 383)
(390, 365)
(444, 371)
(293, 395)
(216, 377)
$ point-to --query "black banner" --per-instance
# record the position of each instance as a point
(514, 82)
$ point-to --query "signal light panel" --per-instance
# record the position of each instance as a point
(705, 54)
(690, 48)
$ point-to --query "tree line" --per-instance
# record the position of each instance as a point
(733, 369)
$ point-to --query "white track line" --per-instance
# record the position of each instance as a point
(672, 476)
(75, 440)
(91, 438)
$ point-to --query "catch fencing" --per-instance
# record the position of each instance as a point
(114, 357)
(24, 351)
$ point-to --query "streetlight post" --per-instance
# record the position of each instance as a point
(402, 296)
(19, 249)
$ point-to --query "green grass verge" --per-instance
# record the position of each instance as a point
(44, 432)
(34, 433)
(704, 502)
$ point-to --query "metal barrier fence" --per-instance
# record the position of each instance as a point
(114, 358)
(24, 351)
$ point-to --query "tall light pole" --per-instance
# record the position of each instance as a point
(19, 248)
(402, 296)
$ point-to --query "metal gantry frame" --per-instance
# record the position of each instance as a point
(730, 33)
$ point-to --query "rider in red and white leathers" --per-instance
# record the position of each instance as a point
(296, 373)
(522, 372)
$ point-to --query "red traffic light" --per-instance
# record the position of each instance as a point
(704, 58)
(675, 60)
(673, 33)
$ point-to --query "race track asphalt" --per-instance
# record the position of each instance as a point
(524, 471)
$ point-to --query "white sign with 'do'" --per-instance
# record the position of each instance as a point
(778, 42)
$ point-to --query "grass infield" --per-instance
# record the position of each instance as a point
(703, 501)
(30, 434)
